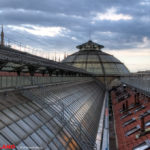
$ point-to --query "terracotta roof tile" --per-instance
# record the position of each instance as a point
(129, 142)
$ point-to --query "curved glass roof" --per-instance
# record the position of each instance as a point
(92, 59)
(65, 117)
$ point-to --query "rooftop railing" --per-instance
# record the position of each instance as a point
(141, 82)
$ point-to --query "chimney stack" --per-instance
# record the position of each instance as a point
(142, 124)
(126, 104)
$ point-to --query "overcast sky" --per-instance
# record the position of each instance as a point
(123, 27)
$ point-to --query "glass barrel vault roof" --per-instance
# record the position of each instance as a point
(92, 59)
(60, 117)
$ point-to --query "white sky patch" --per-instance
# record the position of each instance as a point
(145, 43)
(145, 2)
(134, 59)
(111, 14)
(40, 30)
(74, 38)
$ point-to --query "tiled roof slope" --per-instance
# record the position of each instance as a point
(130, 118)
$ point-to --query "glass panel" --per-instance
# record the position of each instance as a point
(52, 146)
(3, 140)
(108, 58)
(110, 68)
(30, 122)
(35, 119)
(61, 140)
(93, 58)
(79, 65)
(16, 129)
(45, 115)
(22, 146)
(22, 108)
(10, 114)
(69, 58)
(1, 125)
(28, 107)
(81, 58)
(17, 111)
(94, 68)
(51, 128)
(122, 68)
(11, 136)
(24, 126)
(48, 131)
(38, 140)
(5, 119)
(56, 141)
(30, 143)
(43, 135)
(40, 117)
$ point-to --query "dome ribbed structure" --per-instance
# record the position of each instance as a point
(93, 60)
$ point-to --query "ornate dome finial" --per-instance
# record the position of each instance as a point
(90, 45)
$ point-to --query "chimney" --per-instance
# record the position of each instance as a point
(126, 104)
(138, 98)
(134, 99)
(142, 124)
(123, 107)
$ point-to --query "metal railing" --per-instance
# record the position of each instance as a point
(139, 81)
(105, 141)
(25, 81)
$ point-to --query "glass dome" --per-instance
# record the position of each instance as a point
(92, 59)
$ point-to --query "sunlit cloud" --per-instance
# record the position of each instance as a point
(41, 31)
(145, 43)
(134, 59)
(111, 14)
(145, 2)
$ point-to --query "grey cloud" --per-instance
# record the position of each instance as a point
(76, 16)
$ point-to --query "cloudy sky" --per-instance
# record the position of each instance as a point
(123, 27)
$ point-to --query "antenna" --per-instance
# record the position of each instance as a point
(89, 33)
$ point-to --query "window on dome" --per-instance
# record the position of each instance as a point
(122, 68)
(93, 58)
(108, 58)
(110, 68)
(69, 58)
(94, 67)
(79, 65)
(81, 58)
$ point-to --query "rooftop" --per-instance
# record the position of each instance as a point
(127, 117)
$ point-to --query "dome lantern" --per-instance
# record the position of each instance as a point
(90, 45)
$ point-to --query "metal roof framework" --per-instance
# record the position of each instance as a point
(12, 60)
